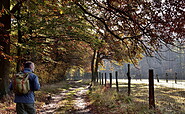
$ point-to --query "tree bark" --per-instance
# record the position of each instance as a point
(5, 22)
(18, 67)
(92, 66)
(97, 57)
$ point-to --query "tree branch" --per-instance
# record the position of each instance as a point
(101, 20)
(17, 6)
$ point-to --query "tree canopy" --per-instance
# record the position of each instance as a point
(138, 24)
(60, 34)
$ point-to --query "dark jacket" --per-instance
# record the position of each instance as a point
(34, 85)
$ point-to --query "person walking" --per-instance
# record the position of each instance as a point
(25, 102)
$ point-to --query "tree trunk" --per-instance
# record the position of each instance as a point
(100, 77)
(5, 22)
(92, 66)
(96, 65)
(18, 67)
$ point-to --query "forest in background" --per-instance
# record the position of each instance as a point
(171, 64)
(61, 35)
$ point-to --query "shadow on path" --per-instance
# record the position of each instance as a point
(70, 101)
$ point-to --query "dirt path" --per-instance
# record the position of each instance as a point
(71, 101)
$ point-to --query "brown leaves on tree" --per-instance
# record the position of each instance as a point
(154, 22)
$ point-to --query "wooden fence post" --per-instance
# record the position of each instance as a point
(117, 88)
(175, 77)
(157, 77)
(110, 79)
(129, 79)
(102, 79)
(166, 77)
(105, 79)
(151, 89)
(140, 77)
(97, 77)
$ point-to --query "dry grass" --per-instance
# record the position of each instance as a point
(108, 101)
(167, 100)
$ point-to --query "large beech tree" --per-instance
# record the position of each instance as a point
(5, 25)
(5, 28)
(50, 32)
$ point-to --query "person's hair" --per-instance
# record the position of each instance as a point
(28, 64)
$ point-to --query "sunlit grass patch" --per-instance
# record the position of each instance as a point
(53, 88)
(113, 102)
(167, 100)
(85, 81)
(65, 106)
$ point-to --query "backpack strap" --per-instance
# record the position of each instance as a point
(27, 73)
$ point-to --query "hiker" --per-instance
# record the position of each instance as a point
(25, 102)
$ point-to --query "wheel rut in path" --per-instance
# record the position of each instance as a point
(71, 101)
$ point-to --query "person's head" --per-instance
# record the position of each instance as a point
(30, 65)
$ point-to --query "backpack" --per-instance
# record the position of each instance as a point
(21, 84)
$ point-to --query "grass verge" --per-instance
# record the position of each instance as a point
(167, 100)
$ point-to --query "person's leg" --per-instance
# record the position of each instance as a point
(30, 108)
(20, 108)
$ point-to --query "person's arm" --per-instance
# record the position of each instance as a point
(36, 84)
